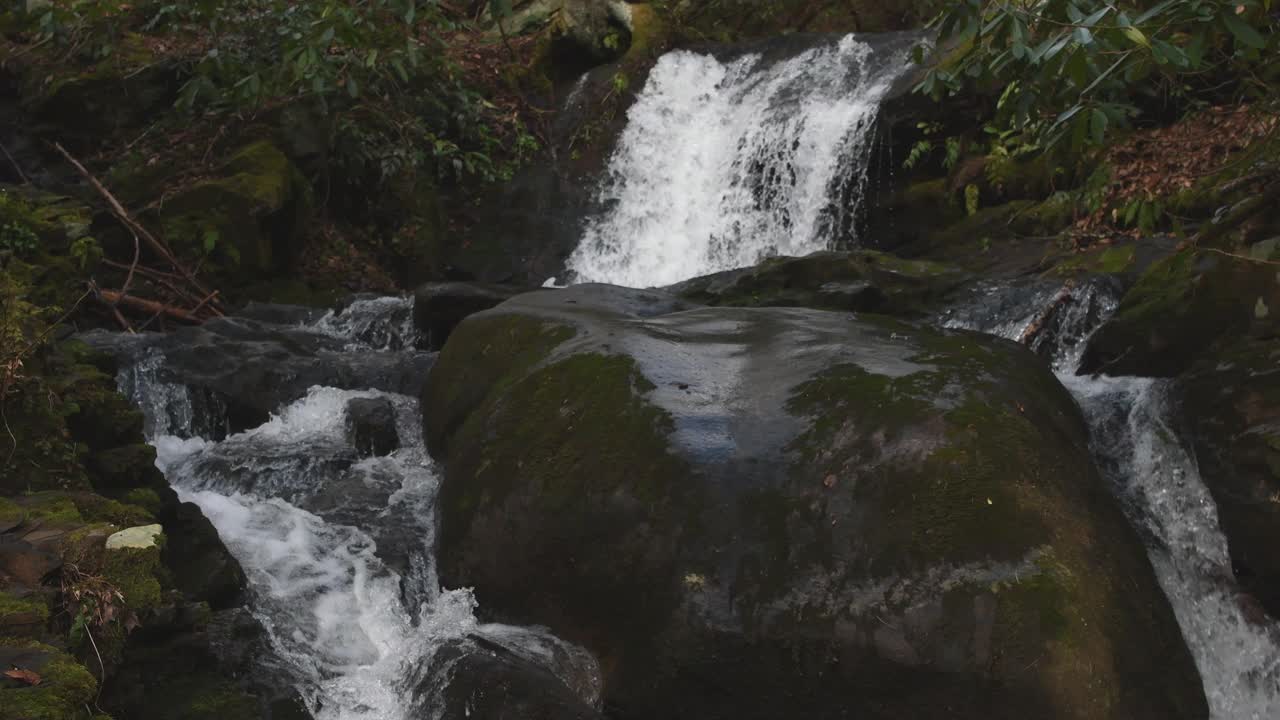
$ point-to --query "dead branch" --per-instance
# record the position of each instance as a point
(133, 226)
(114, 298)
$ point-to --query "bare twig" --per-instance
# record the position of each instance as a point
(1246, 258)
(21, 175)
(127, 220)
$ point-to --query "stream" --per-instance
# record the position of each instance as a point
(723, 163)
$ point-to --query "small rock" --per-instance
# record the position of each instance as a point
(371, 426)
(142, 536)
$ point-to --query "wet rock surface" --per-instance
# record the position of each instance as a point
(795, 511)
(439, 307)
(486, 681)
(241, 370)
(863, 281)
(371, 426)
(1231, 407)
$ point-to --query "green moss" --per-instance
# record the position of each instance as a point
(1180, 307)
(144, 498)
(10, 512)
(95, 508)
(249, 217)
(485, 355)
(51, 508)
(133, 572)
(614, 431)
(1113, 260)
(65, 690)
(1048, 217)
(26, 610)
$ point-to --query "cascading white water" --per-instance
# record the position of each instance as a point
(1160, 490)
(724, 164)
(337, 548)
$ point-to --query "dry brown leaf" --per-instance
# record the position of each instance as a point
(25, 676)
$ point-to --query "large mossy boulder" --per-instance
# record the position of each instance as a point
(762, 513)
(1182, 307)
(249, 217)
(1231, 406)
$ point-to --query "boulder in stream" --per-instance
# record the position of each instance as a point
(762, 513)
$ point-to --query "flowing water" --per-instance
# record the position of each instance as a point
(722, 163)
(337, 545)
(1158, 484)
(725, 163)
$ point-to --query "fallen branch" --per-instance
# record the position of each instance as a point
(114, 298)
(127, 220)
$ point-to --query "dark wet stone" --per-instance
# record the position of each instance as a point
(201, 566)
(778, 512)
(484, 681)
(247, 370)
(1230, 404)
(371, 426)
(439, 307)
(864, 281)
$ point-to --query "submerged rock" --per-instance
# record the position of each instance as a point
(485, 681)
(760, 513)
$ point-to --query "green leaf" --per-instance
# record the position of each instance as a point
(210, 240)
(1244, 33)
(1078, 68)
(1137, 36)
(500, 8)
(1083, 36)
(353, 87)
(1098, 125)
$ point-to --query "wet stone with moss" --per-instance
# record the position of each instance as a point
(766, 512)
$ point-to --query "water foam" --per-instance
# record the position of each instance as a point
(724, 164)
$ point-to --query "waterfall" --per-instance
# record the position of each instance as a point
(723, 164)
(337, 545)
(1158, 485)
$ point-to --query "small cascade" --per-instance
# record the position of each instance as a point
(337, 541)
(1155, 478)
(1235, 646)
(723, 164)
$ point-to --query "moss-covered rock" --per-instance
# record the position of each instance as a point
(1180, 308)
(250, 216)
(862, 280)
(22, 616)
(82, 105)
(66, 687)
(770, 512)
